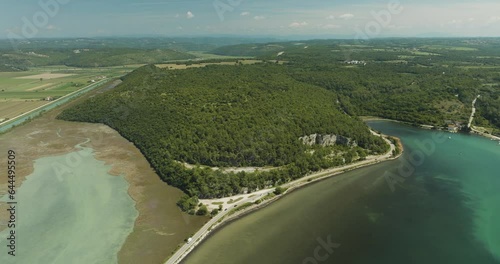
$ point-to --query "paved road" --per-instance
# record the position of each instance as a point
(252, 197)
(473, 112)
(186, 248)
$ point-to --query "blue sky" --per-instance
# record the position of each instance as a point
(328, 18)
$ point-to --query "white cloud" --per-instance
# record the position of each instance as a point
(347, 16)
(298, 24)
(51, 27)
(245, 14)
(189, 15)
(330, 17)
(259, 17)
(455, 22)
(331, 26)
(494, 19)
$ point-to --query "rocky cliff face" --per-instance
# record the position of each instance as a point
(327, 140)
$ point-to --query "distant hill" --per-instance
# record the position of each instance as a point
(117, 57)
(145, 43)
(251, 49)
(103, 57)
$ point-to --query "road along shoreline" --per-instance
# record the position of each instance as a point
(249, 205)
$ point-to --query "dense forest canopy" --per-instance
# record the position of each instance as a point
(424, 81)
(253, 115)
(228, 116)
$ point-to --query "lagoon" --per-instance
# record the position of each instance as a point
(70, 210)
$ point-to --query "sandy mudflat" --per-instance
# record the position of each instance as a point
(160, 226)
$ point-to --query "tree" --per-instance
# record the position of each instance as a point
(279, 190)
(203, 210)
(187, 203)
(214, 212)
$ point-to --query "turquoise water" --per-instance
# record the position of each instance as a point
(70, 210)
(443, 208)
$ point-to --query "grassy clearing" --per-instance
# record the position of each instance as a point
(234, 201)
(405, 57)
(175, 66)
(240, 208)
(451, 107)
(478, 67)
(444, 47)
(423, 53)
(207, 56)
(396, 61)
(354, 45)
(487, 57)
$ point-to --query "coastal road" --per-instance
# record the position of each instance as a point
(252, 197)
(473, 129)
(196, 238)
(180, 254)
(473, 112)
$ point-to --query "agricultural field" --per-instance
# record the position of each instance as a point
(179, 66)
(208, 56)
(13, 108)
(21, 92)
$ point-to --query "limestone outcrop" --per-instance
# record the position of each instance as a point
(327, 140)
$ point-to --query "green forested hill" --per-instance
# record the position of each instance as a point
(117, 57)
(247, 115)
(101, 57)
(423, 81)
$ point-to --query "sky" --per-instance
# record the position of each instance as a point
(276, 18)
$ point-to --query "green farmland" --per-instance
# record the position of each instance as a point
(21, 92)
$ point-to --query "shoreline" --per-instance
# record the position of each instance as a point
(431, 127)
(291, 187)
(482, 134)
(159, 222)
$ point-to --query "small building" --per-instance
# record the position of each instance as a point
(49, 98)
(452, 128)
